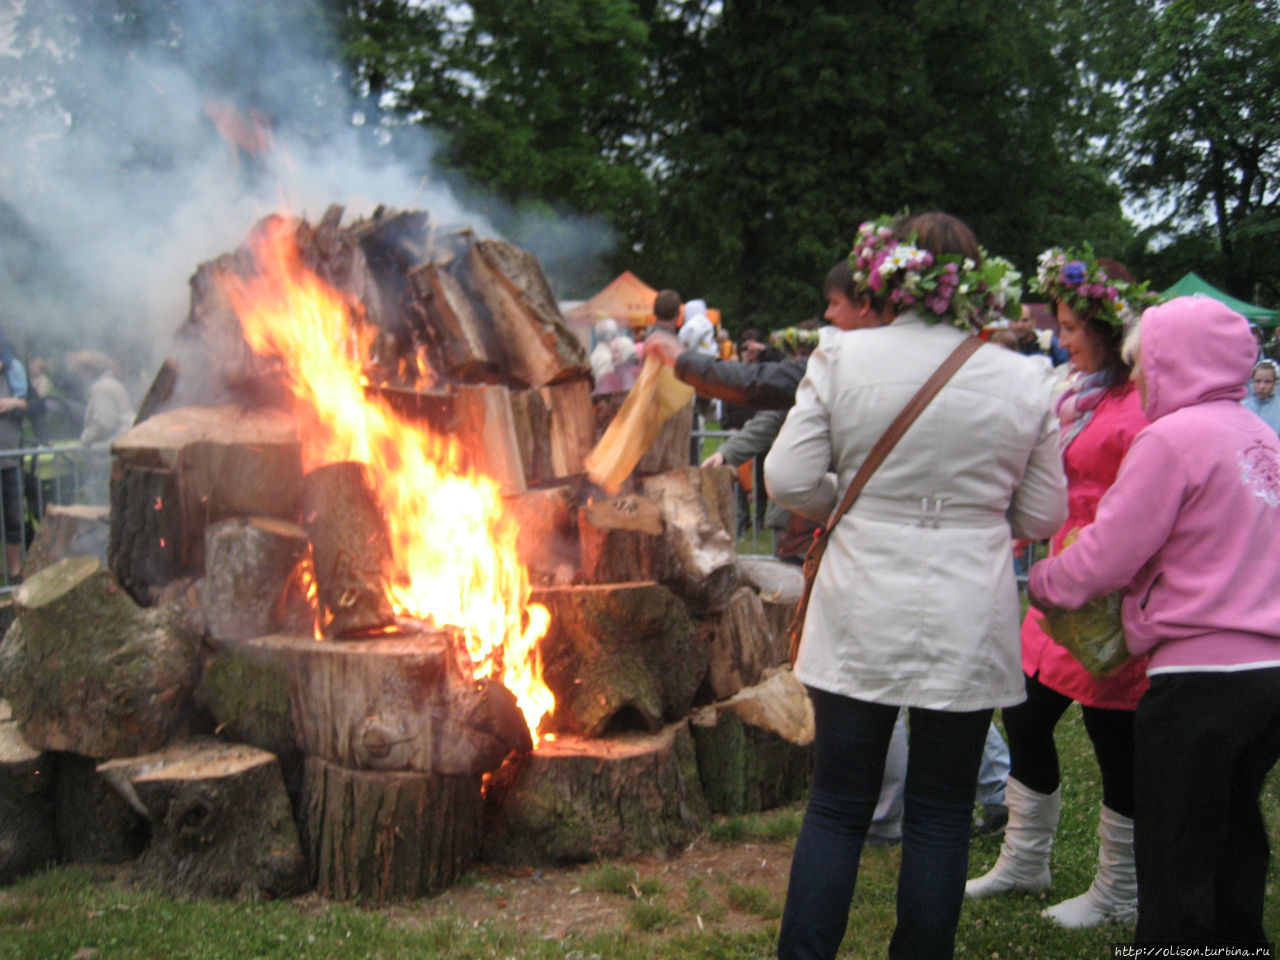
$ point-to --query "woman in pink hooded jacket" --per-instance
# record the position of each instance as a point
(1188, 532)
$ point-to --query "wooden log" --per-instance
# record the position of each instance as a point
(69, 531)
(88, 671)
(541, 348)
(696, 529)
(779, 585)
(187, 468)
(619, 656)
(533, 433)
(621, 540)
(547, 543)
(755, 750)
(381, 836)
(576, 800)
(672, 447)
(572, 425)
(486, 427)
(221, 822)
(245, 691)
(28, 827)
(95, 824)
(396, 704)
(351, 548)
(460, 336)
(742, 645)
(249, 563)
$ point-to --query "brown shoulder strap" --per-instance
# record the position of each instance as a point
(915, 406)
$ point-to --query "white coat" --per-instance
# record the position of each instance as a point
(915, 602)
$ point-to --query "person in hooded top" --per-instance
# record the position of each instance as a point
(698, 332)
(1188, 532)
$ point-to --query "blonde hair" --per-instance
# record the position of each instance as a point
(1131, 348)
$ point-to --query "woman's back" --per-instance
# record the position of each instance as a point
(916, 600)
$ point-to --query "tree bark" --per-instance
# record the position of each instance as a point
(177, 473)
(95, 824)
(576, 800)
(28, 827)
(486, 427)
(396, 704)
(572, 425)
(221, 823)
(88, 671)
(696, 507)
(779, 585)
(619, 656)
(547, 543)
(351, 547)
(250, 562)
(742, 645)
(621, 541)
(381, 836)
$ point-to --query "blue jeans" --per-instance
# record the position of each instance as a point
(850, 742)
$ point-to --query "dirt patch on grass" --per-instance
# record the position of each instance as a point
(729, 886)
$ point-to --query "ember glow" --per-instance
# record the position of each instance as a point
(453, 544)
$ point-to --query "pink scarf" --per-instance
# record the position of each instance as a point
(1076, 405)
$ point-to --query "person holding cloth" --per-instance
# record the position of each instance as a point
(915, 602)
(1188, 533)
(1100, 415)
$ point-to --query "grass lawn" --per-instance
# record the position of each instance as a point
(77, 913)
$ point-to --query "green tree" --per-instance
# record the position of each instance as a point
(1203, 138)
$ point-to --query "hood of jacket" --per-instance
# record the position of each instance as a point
(1194, 350)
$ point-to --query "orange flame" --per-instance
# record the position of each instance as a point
(453, 544)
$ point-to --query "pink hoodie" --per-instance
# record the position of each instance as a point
(1191, 526)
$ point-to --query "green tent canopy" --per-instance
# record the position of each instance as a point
(1193, 283)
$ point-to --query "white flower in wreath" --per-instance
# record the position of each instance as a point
(1044, 340)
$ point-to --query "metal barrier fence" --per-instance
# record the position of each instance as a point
(33, 478)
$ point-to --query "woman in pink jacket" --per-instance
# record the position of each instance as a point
(1100, 415)
(1189, 532)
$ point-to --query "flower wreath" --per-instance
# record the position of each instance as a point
(949, 287)
(793, 339)
(1073, 276)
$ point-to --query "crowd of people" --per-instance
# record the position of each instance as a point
(1141, 442)
(84, 400)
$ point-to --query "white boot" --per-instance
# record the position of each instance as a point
(1113, 895)
(1028, 841)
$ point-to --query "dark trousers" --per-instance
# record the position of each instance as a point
(1206, 742)
(851, 738)
(1033, 756)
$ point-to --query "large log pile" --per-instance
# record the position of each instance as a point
(239, 643)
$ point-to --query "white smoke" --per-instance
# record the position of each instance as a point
(121, 183)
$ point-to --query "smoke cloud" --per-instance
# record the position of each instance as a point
(115, 181)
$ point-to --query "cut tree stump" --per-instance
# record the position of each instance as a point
(245, 690)
(396, 704)
(576, 800)
(221, 823)
(87, 670)
(780, 585)
(351, 549)
(742, 645)
(381, 836)
(28, 827)
(621, 540)
(619, 656)
(95, 823)
(69, 531)
(249, 564)
(697, 513)
(460, 335)
(547, 543)
(179, 472)
(532, 420)
(755, 749)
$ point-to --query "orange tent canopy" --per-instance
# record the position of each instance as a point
(627, 299)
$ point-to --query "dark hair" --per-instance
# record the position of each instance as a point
(840, 280)
(666, 306)
(940, 234)
(812, 323)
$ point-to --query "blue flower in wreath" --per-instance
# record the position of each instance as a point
(1073, 273)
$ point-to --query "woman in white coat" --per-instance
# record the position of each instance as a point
(915, 603)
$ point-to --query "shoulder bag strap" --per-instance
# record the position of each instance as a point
(915, 406)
